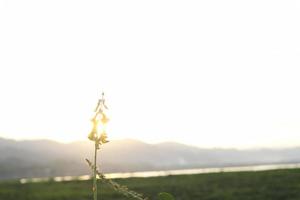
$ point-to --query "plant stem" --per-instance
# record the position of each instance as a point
(117, 187)
(95, 173)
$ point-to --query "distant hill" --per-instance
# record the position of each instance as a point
(44, 158)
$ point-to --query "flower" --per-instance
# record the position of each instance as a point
(103, 138)
(99, 117)
(104, 118)
(94, 133)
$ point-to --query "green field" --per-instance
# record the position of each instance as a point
(264, 185)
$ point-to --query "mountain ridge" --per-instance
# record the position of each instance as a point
(44, 158)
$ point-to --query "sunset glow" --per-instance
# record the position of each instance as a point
(167, 72)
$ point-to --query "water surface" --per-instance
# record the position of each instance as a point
(171, 172)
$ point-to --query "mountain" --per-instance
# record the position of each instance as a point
(46, 158)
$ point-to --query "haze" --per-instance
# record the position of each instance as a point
(204, 73)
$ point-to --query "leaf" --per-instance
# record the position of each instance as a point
(165, 196)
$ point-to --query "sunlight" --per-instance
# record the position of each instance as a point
(229, 93)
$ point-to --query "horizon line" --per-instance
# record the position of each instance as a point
(152, 143)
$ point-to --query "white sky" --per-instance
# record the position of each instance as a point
(207, 73)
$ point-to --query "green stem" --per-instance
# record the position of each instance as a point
(95, 173)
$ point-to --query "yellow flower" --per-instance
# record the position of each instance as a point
(94, 133)
(103, 138)
(104, 118)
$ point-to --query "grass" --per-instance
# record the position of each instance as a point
(264, 185)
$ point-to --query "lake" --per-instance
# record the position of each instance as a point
(170, 172)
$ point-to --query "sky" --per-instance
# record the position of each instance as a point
(205, 73)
